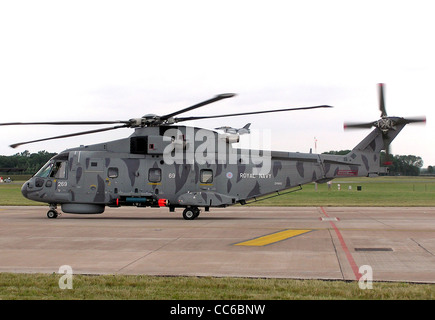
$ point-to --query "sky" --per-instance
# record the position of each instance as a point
(116, 60)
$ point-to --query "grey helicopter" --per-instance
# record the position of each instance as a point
(164, 164)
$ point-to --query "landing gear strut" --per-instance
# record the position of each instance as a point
(52, 213)
(191, 213)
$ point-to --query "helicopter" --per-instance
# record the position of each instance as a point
(240, 131)
(164, 164)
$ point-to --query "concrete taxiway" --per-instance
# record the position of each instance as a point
(394, 244)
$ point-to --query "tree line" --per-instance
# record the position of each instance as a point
(403, 165)
(25, 162)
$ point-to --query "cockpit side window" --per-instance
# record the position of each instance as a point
(59, 170)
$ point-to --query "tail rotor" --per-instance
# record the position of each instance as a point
(385, 124)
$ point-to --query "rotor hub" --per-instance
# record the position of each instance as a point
(385, 124)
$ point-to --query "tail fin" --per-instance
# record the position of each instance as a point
(367, 153)
(386, 129)
(364, 159)
(379, 139)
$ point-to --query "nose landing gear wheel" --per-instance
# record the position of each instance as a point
(191, 213)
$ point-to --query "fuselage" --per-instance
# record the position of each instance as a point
(178, 166)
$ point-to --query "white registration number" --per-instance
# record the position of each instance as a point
(62, 183)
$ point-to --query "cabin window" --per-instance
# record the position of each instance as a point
(155, 175)
(59, 170)
(206, 176)
(112, 172)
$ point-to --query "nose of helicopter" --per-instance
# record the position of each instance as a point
(24, 189)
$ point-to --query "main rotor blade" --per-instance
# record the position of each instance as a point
(61, 123)
(201, 104)
(68, 135)
(247, 113)
(382, 100)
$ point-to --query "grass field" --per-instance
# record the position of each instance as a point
(383, 191)
(46, 286)
(377, 192)
(10, 195)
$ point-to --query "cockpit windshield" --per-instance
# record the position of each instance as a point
(44, 172)
(55, 168)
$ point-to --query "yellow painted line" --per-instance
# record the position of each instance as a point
(272, 238)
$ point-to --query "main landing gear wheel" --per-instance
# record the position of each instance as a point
(191, 213)
(52, 214)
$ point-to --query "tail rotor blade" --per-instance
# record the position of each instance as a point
(387, 160)
(358, 125)
(382, 100)
(412, 120)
